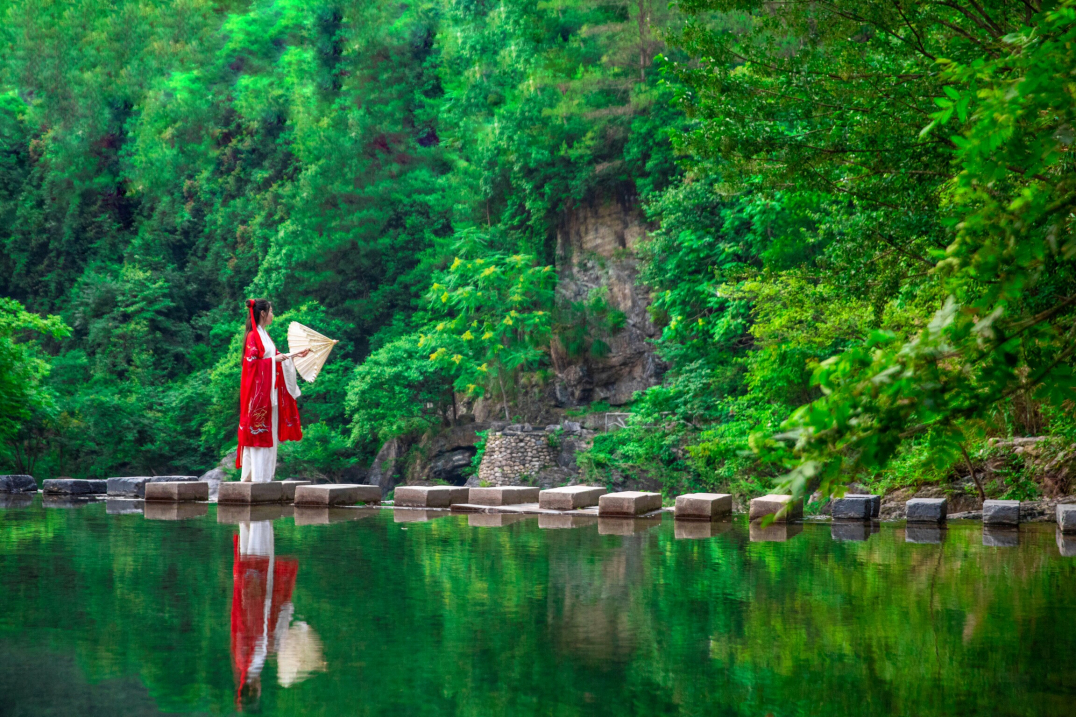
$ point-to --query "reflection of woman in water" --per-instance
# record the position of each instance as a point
(262, 615)
(268, 413)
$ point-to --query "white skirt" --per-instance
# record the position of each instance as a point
(259, 464)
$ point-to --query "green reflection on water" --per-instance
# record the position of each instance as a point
(119, 614)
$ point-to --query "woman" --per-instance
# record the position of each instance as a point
(268, 413)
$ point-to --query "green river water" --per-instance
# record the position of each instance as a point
(120, 614)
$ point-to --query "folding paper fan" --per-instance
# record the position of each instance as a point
(301, 338)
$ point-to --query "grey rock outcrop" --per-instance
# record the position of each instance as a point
(387, 469)
(594, 243)
(135, 486)
(17, 484)
(74, 486)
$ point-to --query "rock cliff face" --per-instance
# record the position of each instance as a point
(594, 251)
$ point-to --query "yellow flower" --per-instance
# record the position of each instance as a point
(457, 358)
(441, 326)
(487, 335)
(479, 261)
(700, 322)
(455, 264)
(471, 387)
(490, 270)
(484, 367)
(444, 298)
(467, 336)
(508, 320)
(435, 287)
(539, 313)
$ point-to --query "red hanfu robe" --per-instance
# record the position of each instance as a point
(255, 402)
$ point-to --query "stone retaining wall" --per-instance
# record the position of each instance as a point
(511, 456)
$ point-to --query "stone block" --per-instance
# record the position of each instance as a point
(781, 507)
(924, 533)
(177, 492)
(17, 484)
(503, 495)
(235, 513)
(157, 510)
(1001, 512)
(703, 506)
(250, 492)
(288, 487)
(631, 502)
(850, 531)
(875, 500)
(626, 525)
(927, 510)
(552, 521)
(74, 486)
(1066, 543)
(315, 515)
(774, 532)
(135, 486)
(699, 529)
(429, 496)
(494, 520)
(572, 497)
(337, 494)
(123, 507)
(1005, 537)
(852, 507)
(1066, 517)
(417, 515)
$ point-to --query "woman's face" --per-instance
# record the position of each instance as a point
(267, 317)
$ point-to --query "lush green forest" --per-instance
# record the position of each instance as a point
(859, 252)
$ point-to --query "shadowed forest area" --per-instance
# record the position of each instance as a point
(852, 227)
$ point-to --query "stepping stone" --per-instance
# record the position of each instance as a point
(703, 506)
(1066, 544)
(288, 487)
(774, 532)
(429, 496)
(852, 507)
(781, 507)
(699, 529)
(927, 510)
(572, 497)
(876, 501)
(413, 515)
(1001, 537)
(177, 492)
(234, 513)
(626, 525)
(926, 534)
(314, 515)
(337, 494)
(494, 520)
(18, 484)
(1001, 512)
(135, 486)
(157, 510)
(550, 521)
(74, 486)
(123, 507)
(1066, 517)
(857, 531)
(250, 492)
(628, 503)
(503, 495)
(16, 500)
